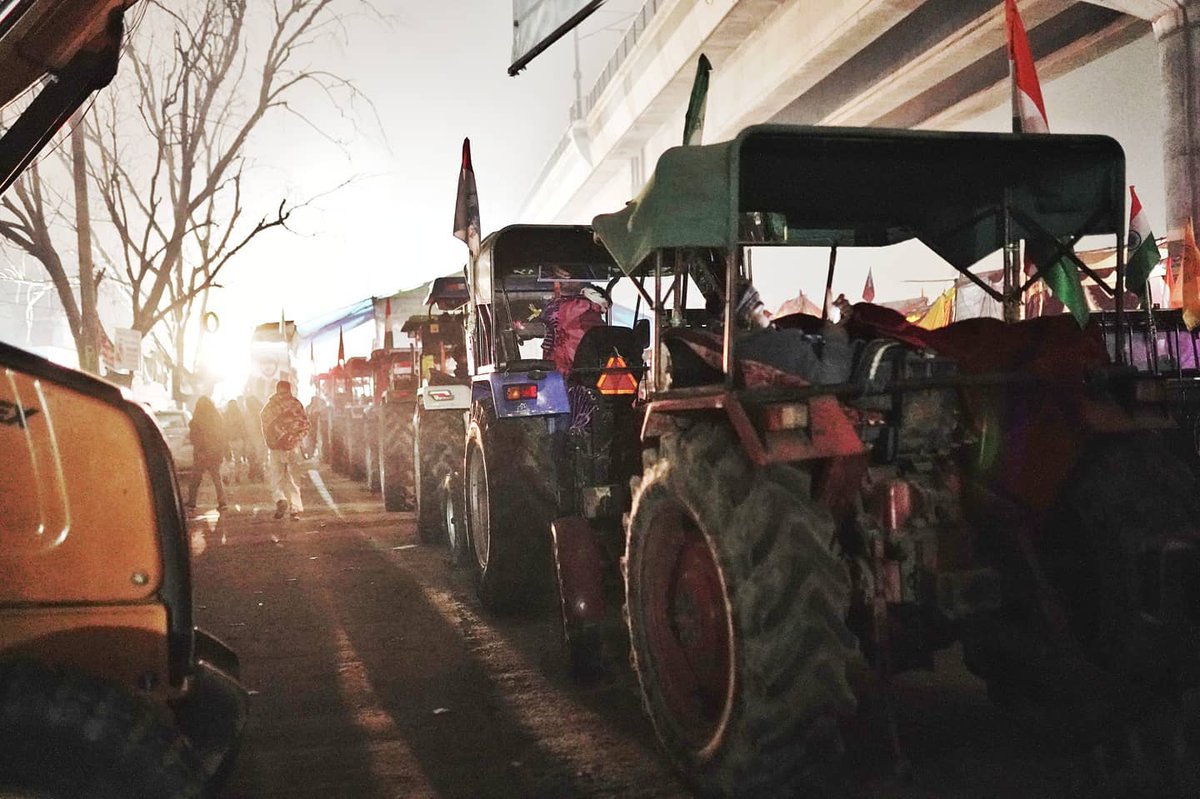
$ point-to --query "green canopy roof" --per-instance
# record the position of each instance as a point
(873, 187)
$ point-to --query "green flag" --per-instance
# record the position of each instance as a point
(693, 123)
(1062, 276)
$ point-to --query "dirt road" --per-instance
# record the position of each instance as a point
(376, 674)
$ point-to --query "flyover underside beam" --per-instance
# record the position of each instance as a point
(893, 63)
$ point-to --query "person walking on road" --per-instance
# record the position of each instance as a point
(284, 424)
(255, 446)
(235, 430)
(209, 443)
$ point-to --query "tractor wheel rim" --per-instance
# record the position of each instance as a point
(479, 509)
(448, 517)
(688, 626)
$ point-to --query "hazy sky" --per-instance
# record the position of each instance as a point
(434, 76)
(438, 74)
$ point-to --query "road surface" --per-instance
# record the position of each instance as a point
(375, 673)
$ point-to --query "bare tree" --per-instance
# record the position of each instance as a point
(203, 79)
(32, 216)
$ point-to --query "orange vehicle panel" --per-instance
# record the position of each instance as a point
(77, 520)
(123, 643)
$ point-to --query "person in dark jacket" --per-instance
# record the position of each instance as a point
(209, 444)
(256, 449)
(235, 431)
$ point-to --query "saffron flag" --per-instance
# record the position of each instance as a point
(693, 121)
(941, 313)
(1142, 250)
(341, 348)
(466, 209)
(869, 287)
(1191, 278)
(1029, 110)
(1174, 286)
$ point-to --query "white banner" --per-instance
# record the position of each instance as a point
(127, 346)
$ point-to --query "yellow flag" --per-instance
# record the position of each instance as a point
(1191, 278)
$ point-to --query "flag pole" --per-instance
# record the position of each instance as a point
(1012, 304)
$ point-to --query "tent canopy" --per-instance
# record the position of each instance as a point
(874, 187)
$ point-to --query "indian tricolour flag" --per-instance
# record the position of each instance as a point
(1142, 250)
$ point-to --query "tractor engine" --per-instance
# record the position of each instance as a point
(913, 570)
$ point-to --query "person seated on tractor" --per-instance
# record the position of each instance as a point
(566, 318)
(818, 359)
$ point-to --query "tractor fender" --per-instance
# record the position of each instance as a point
(447, 397)
(580, 570)
(551, 393)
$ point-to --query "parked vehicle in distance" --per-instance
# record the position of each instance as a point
(174, 426)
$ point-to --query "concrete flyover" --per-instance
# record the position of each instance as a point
(890, 63)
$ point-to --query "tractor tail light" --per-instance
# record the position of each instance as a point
(520, 391)
(786, 416)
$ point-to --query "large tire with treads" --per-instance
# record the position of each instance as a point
(373, 458)
(1128, 504)
(511, 496)
(395, 456)
(439, 451)
(64, 734)
(736, 608)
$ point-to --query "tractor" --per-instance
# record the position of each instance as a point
(106, 688)
(789, 510)
(519, 407)
(348, 416)
(443, 400)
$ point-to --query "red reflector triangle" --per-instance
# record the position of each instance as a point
(616, 378)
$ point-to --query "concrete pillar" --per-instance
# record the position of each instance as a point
(1178, 35)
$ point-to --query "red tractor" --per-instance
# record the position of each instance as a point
(786, 506)
(352, 393)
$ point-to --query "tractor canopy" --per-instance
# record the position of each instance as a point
(820, 186)
(535, 257)
(447, 293)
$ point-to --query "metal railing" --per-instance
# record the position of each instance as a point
(583, 106)
(641, 20)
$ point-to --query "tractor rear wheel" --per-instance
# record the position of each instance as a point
(439, 451)
(395, 456)
(65, 734)
(1123, 554)
(511, 497)
(736, 607)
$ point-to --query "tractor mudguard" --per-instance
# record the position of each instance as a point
(549, 398)
(444, 397)
(580, 570)
(212, 649)
(212, 714)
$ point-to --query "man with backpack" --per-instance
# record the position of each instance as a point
(284, 424)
